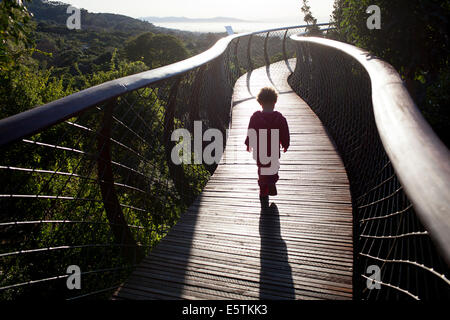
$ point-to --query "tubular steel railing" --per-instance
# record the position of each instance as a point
(399, 171)
(88, 180)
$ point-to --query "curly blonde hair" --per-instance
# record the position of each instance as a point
(267, 95)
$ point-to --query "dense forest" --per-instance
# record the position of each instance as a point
(42, 60)
(56, 61)
(414, 39)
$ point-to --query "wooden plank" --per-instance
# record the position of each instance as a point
(225, 247)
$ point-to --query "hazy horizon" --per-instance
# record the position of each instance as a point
(287, 11)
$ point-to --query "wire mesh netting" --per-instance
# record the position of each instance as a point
(387, 233)
(100, 189)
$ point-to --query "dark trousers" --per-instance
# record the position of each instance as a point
(267, 184)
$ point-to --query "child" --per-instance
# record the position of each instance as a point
(266, 127)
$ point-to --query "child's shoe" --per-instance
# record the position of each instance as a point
(264, 201)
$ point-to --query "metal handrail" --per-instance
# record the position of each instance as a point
(407, 139)
(112, 162)
(32, 121)
(420, 159)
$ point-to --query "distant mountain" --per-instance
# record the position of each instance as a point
(191, 20)
(56, 13)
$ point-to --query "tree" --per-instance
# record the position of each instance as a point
(139, 49)
(414, 39)
(167, 49)
(22, 84)
(14, 33)
(312, 28)
(155, 50)
(413, 35)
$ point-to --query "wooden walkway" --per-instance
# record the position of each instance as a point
(226, 247)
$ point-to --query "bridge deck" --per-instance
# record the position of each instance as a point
(225, 247)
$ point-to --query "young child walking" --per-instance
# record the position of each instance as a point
(267, 129)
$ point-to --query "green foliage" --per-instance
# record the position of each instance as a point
(13, 22)
(414, 39)
(155, 50)
(26, 86)
(312, 28)
(413, 35)
(118, 69)
(41, 61)
(14, 34)
(56, 13)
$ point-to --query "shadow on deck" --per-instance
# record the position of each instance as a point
(226, 247)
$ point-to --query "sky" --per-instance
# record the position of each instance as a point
(255, 10)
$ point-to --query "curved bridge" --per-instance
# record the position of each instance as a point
(226, 246)
(363, 203)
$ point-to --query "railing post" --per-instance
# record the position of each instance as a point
(266, 56)
(195, 95)
(284, 45)
(176, 172)
(238, 68)
(285, 51)
(119, 226)
(249, 55)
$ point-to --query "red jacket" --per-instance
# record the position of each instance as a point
(269, 120)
